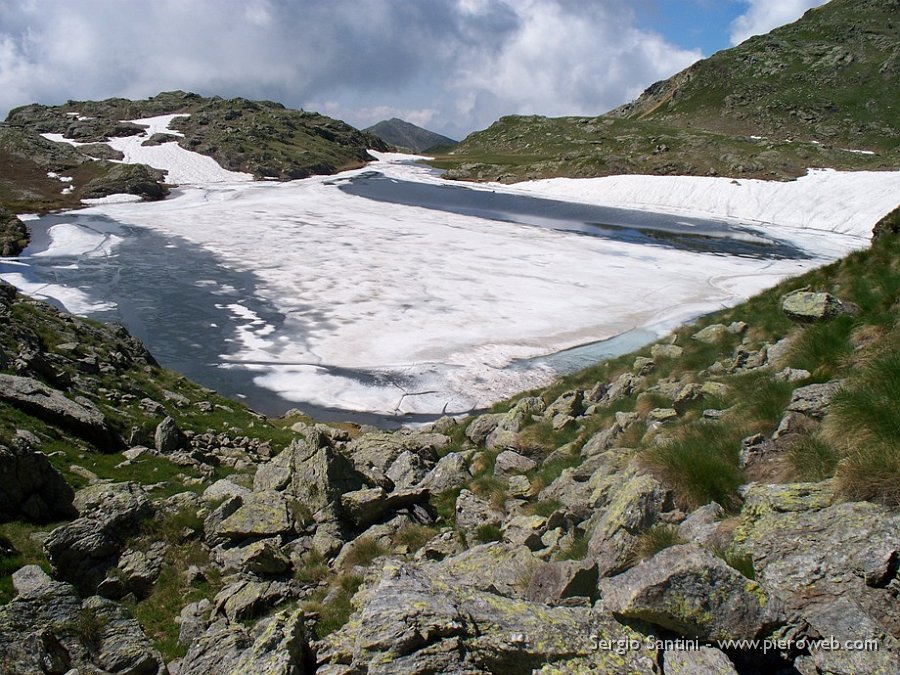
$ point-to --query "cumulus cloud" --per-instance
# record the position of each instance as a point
(455, 65)
(764, 15)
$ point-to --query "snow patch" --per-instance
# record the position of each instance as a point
(71, 298)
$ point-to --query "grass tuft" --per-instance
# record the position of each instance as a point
(656, 539)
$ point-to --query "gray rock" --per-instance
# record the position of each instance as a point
(363, 508)
(451, 472)
(666, 351)
(83, 550)
(505, 434)
(261, 514)
(31, 488)
(246, 599)
(412, 619)
(711, 334)
(193, 621)
(552, 582)
(407, 470)
(701, 525)
(222, 489)
(217, 651)
(792, 375)
(524, 530)
(479, 428)
(496, 567)
(634, 507)
(139, 570)
(509, 462)
(813, 399)
(568, 404)
(754, 449)
(30, 580)
(702, 661)
(168, 437)
(688, 590)
(662, 414)
(37, 636)
(643, 366)
(472, 512)
(372, 454)
(263, 558)
(53, 407)
(809, 306)
(281, 647)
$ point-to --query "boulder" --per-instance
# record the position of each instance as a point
(168, 438)
(281, 647)
(496, 567)
(372, 454)
(813, 399)
(407, 470)
(711, 334)
(809, 306)
(509, 462)
(505, 433)
(701, 525)
(53, 407)
(31, 488)
(553, 581)
(481, 427)
(411, 618)
(473, 512)
(262, 558)
(634, 507)
(223, 489)
(643, 365)
(666, 352)
(702, 661)
(365, 507)
(691, 592)
(216, 651)
(48, 628)
(812, 552)
(261, 514)
(569, 404)
(451, 472)
(246, 599)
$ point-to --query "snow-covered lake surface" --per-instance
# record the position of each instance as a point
(385, 291)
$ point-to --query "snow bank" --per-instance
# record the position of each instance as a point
(823, 200)
(71, 298)
(67, 239)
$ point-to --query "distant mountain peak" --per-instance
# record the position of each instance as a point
(408, 136)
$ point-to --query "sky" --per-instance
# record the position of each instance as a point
(453, 66)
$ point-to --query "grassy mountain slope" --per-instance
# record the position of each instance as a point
(408, 136)
(805, 95)
(827, 77)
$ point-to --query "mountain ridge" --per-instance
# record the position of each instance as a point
(408, 136)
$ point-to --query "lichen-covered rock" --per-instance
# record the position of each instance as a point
(217, 651)
(47, 628)
(372, 454)
(811, 551)
(711, 334)
(481, 427)
(364, 507)
(509, 462)
(666, 351)
(407, 470)
(688, 590)
(813, 399)
(246, 599)
(451, 472)
(568, 404)
(409, 619)
(635, 506)
(83, 550)
(809, 306)
(263, 558)
(280, 649)
(168, 438)
(261, 514)
(506, 432)
(499, 568)
(472, 512)
(702, 525)
(551, 582)
(702, 661)
(31, 488)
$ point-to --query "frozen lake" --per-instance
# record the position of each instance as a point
(387, 292)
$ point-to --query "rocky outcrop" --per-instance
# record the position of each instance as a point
(133, 179)
(82, 551)
(31, 488)
(688, 590)
(409, 619)
(48, 628)
(51, 405)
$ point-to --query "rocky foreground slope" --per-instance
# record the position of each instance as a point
(734, 481)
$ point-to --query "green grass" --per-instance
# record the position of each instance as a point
(363, 552)
(821, 349)
(488, 532)
(701, 465)
(656, 539)
(544, 507)
(812, 459)
(312, 568)
(16, 538)
(865, 420)
(334, 613)
(760, 400)
(414, 537)
(577, 550)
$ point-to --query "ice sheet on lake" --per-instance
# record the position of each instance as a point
(67, 239)
(71, 298)
(432, 306)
